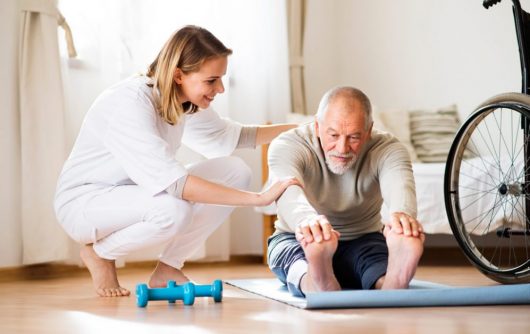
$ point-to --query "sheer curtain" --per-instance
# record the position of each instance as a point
(42, 131)
(10, 230)
(116, 39)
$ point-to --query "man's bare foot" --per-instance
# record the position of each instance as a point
(404, 253)
(164, 273)
(103, 274)
(320, 275)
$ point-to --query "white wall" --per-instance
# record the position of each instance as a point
(10, 230)
(412, 53)
(403, 54)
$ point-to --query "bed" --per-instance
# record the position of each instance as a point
(430, 197)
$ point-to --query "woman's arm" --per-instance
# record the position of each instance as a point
(266, 133)
(200, 190)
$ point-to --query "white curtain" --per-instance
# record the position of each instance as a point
(296, 11)
(10, 230)
(42, 131)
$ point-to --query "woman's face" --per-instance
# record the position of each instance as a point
(201, 87)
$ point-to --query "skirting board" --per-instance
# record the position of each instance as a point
(420, 294)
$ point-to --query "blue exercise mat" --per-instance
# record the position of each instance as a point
(420, 294)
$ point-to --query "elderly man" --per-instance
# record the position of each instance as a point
(329, 234)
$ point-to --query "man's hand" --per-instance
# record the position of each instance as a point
(401, 222)
(317, 230)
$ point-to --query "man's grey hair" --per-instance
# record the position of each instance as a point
(347, 92)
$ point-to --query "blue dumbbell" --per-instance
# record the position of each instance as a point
(173, 292)
(215, 290)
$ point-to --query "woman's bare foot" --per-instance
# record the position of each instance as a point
(103, 274)
(320, 275)
(404, 253)
(164, 273)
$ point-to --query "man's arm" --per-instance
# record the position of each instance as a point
(289, 157)
(398, 190)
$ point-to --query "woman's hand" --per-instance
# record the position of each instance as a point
(199, 190)
(276, 190)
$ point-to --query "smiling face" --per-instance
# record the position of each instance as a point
(200, 87)
(342, 131)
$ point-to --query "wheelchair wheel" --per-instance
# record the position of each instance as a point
(487, 188)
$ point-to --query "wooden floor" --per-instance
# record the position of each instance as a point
(56, 301)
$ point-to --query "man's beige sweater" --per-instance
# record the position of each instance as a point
(352, 201)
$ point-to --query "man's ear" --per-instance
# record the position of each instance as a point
(370, 130)
(177, 76)
(316, 127)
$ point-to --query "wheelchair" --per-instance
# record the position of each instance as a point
(487, 176)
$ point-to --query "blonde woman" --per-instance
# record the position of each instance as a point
(122, 190)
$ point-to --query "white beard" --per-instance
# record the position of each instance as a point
(340, 168)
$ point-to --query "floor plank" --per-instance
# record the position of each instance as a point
(67, 304)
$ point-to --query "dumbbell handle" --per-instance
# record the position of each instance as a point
(203, 290)
(215, 290)
(165, 294)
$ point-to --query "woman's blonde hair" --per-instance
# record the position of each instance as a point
(187, 50)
